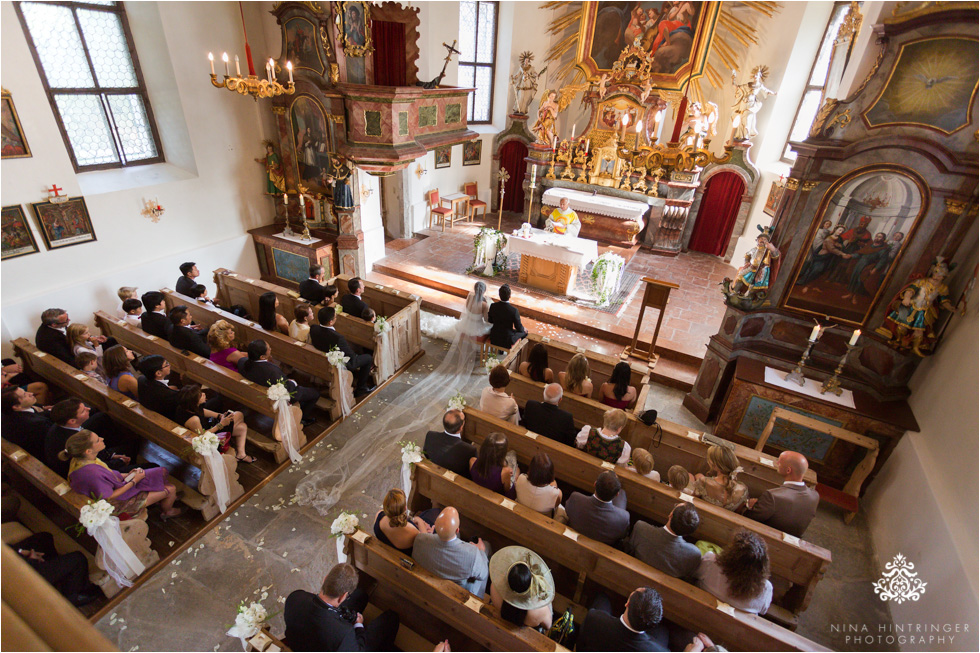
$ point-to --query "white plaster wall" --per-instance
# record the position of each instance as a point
(371, 222)
(210, 187)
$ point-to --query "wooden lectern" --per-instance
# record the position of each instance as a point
(656, 295)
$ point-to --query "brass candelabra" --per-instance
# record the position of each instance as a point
(833, 383)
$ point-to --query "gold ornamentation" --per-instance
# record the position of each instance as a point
(908, 10)
(874, 69)
(792, 183)
(634, 65)
(807, 186)
(252, 85)
(279, 111)
(334, 73)
(955, 207)
(841, 119)
(851, 24)
(313, 6)
(828, 107)
(351, 47)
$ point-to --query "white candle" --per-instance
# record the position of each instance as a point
(639, 126)
(211, 59)
(268, 76)
(574, 125)
(272, 70)
(815, 333)
(224, 57)
(854, 337)
(285, 199)
(238, 68)
(301, 202)
(587, 141)
(534, 171)
(554, 142)
(289, 67)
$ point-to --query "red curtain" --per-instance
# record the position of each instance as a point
(389, 53)
(718, 213)
(512, 156)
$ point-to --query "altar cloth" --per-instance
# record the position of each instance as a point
(566, 250)
(614, 207)
(810, 388)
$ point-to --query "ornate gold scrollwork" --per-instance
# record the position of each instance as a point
(955, 207)
(828, 107)
(807, 186)
(351, 48)
(792, 183)
(842, 119)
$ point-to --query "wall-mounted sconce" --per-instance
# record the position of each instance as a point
(152, 210)
(420, 171)
(366, 191)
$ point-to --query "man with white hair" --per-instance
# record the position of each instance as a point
(547, 419)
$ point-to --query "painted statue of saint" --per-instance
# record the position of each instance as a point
(340, 174)
(913, 313)
(275, 183)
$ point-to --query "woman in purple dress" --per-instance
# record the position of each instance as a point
(490, 467)
(129, 494)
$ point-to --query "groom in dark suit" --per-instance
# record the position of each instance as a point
(507, 328)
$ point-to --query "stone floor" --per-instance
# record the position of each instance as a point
(270, 547)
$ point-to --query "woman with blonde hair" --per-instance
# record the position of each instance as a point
(221, 339)
(90, 477)
(80, 339)
(394, 527)
(643, 464)
(575, 379)
(722, 488)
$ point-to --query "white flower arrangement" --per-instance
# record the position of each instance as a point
(336, 357)
(381, 325)
(345, 524)
(94, 515)
(457, 402)
(277, 391)
(206, 443)
(606, 274)
(249, 620)
(490, 363)
(411, 452)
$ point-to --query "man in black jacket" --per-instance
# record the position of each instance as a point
(51, 336)
(154, 319)
(636, 630)
(313, 289)
(324, 337)
(257, 368)
(188, 272)
(332, 619)
(184, 337)
(352, 303)
(547, 419)
(447, 449)
(154, 391)
(70, 416)
(22, 422)
(506, 320)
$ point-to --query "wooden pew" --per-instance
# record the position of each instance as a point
(57, 489)
(600, 365)
(444, 600)
(678, 445)
(149, 425)
(800, 563)
(302, 356)
(229, 384)
(684, 604)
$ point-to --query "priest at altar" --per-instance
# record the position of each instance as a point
(563, 220)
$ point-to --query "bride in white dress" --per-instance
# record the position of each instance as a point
(374, 450)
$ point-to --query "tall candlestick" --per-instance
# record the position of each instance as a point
(574, 125)
(224, 57)
(272, 70)
(554, 142)
(211, 60)
(238, 68)
(854, 337)
(815, 333)
(587, 141)
(289, 67)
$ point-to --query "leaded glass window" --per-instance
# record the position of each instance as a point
(90, 71)
(478, 55)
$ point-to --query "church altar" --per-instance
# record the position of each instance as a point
(549, 261)
(603, 217)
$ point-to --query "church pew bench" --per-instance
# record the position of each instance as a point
(684, 604)
(231, 385)
(149, 425)
(447, 602)
(134, 531)
(800, 563)
(678, 445)
(600, 366)
(301, 356)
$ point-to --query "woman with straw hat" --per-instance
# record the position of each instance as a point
(521, 587)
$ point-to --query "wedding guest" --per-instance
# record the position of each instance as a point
(537, 489)
(665, 548)
(522, 587)
(536, 366)
(88, 364)
(82, 340)
(643, 464)
(313, 289)
(447, 449)
(325, 337)
(547, 419)
(394, 526)
(188, 272)
(506, 320)
(739, 575)
(330, 295)
(118, 362)
(229, 425)
(352, 303)
(369, 315)
(495, 400)
(221, 339)
(575, 379)
(154, 319)
(617, 391)
(133, 309)
(447, 556)
(299, 328)
(185, 338)
(23, 422)
(680, 479)
(67, 573)
(12, 376)
(51, 336)
(602, 516)
(199, 293)
(90, 477)
(605, 443)
(124, 293)
(791, 506)
(269, 319)
(154, 391)
(71, 415)
(490, 469)
(723, 489)
(636, 629)
(257, 368)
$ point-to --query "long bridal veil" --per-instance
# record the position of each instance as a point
(373, 452)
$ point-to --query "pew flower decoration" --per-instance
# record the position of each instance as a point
(411, 454)
(345, 524)
(336, 357)
(205, 444)
(381, 325)
(277, 392)
(280, 396)
(490, 363)
(94, 515)
(248, 621)
(120, 562)
(606, 275)
(457, 402)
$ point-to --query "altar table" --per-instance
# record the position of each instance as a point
(550, 261)
(603, 217)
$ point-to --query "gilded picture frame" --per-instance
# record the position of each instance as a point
(64, 224)
(18, 239)
(14, 144)
(302, 48)
(443, 157)
(472, 152)
(355, 28)
(772, 201)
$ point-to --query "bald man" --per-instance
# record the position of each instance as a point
(791, 506)
(547, 419)
(445, 555)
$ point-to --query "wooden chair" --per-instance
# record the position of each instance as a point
(474, 203)
(437, 209)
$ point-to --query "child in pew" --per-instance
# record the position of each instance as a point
(132, 310)
(680, 479)
(369, 315)
(124, 293)
(200, 293)
(642, 464)
(88, 363)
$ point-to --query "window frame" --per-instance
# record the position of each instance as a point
(474, 64)
(813, 87)
(97, 89)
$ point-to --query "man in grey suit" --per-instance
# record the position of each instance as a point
(665, 548)
(791, 506)
(447, 556)
(602, 516)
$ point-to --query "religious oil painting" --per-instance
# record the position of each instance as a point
(64, 224)
(665, 30)
(864, 224)
(300, 37)
(933, 85)
(311, 143)
(443, 156)
(772, 201)
(14, 145)
(472, 152)
(355, 28)
(17, 237)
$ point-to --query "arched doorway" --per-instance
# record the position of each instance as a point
(512, 159)
(717, 214)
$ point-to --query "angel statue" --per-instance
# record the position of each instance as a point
(748, 100)
(700, 123)
(525, 82)
(552, 103)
